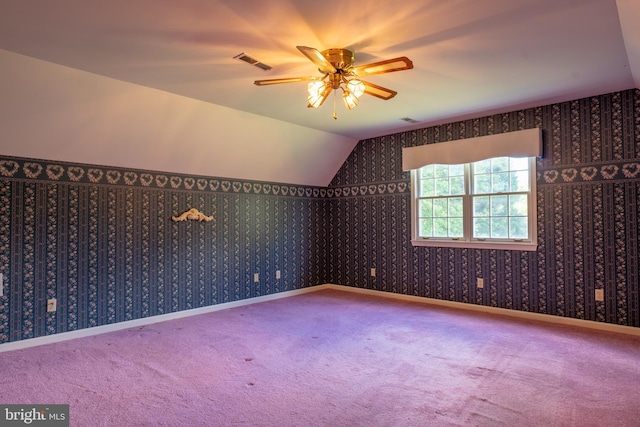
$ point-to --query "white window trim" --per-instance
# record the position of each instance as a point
(469, 242)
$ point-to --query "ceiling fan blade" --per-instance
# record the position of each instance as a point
(388, 66)
(316, 57)
(378, 91)
(285, 80)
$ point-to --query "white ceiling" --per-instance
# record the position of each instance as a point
(470, 58)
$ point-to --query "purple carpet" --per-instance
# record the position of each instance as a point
(335, 358)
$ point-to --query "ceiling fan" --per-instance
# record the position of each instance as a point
(338, 71)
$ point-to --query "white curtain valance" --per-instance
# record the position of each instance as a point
(522, 143)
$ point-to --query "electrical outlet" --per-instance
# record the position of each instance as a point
(256, 277)
(480, 282)
(373, 272)
(600, 295)
(277, 274)
(52, 305)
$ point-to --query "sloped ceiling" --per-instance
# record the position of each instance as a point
(152, 84)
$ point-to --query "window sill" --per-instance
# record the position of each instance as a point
(506, 246)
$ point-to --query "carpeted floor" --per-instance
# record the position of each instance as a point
(335, 358)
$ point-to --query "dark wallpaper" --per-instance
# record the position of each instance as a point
(101, 241)
(588, 187)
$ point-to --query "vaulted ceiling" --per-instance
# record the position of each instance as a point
(153, 84)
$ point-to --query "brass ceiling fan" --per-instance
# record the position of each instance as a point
(338, 71)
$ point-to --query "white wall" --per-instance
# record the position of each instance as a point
(52, 112)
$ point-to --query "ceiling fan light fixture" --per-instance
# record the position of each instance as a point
(316, 87)
(356, 87)
(318, 93)
(350, 100)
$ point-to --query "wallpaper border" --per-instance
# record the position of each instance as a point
(18, 168)
(60, 172)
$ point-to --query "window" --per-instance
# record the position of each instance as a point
(476, 192)
(484, 204)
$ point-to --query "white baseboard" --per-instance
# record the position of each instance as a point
(103, 329)
(548, 318)
(97, 330)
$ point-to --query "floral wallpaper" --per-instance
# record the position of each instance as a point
(588, 188)
(101, 241)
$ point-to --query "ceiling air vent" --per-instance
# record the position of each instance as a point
(249, 60)
(409, 120)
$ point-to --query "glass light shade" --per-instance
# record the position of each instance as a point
(318, 92)
(316, 100)
(350, 100)
(315, 88)
(356, 87)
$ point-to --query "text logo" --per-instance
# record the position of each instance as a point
(34, 415)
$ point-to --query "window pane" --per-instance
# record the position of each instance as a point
(500, 182)
(456, 185)
(518, 205)
(442, 171)
(499, 164)
(481, 228)
(482, 184)
(442, 187)
(519, 181)
(426, 172)
(518, 228)
(456, 170)
(440, 208)
(455, 207)
(456, 228)
(481, 206)
(518, 163)
(426, 227)
(426, 188)
(441, 227)
(483, 166)
(499, 205)
(499, 228)
(426, 208)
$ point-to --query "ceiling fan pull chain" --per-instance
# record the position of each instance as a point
(335, 116)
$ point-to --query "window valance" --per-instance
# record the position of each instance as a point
(523, 143)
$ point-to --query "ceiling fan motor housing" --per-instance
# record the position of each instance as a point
(341, 59)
